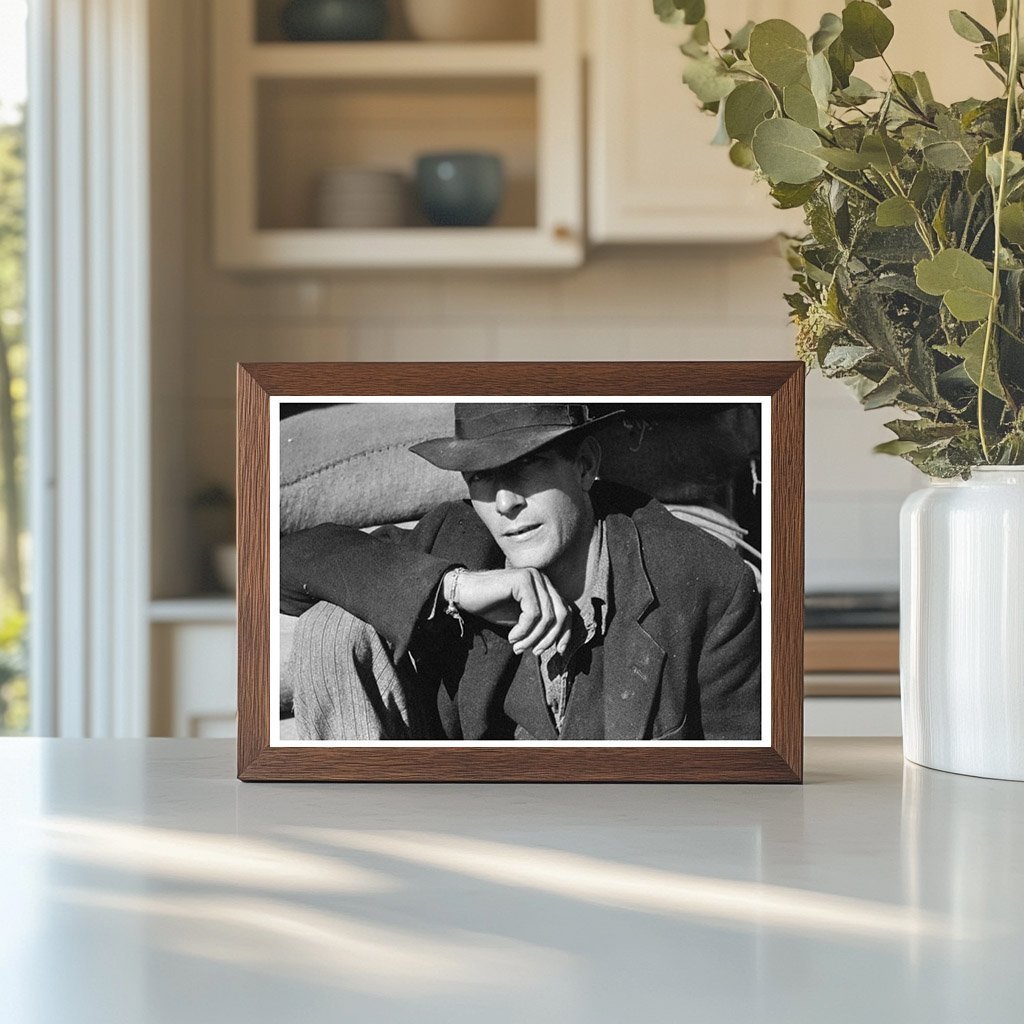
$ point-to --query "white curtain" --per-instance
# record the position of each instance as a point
(88, 319)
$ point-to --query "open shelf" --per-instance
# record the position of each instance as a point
(519, 16)
(287, 113)
(393, 60)
(306, 128)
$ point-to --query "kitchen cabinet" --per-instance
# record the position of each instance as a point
(653, 175)
(193, 668)
(286, 113)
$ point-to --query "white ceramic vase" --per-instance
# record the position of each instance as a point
(962, 624)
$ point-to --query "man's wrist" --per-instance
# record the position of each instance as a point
(450, 595)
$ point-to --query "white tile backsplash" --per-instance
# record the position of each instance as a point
(719, 302)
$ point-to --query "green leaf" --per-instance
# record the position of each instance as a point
(857, 91)
(708, 81)
(789, 197)
(742, 155)
(976, 175)
(947, 156)
(785, 152)
(885, 394)
(896, 212)
(778, 50)
(1012, 225)
(701, 33)
(800, 105)
(921, 186)
(1014, 169)
(923, 431)
(841, 60)
(999, 6)
(745, 108)
(820, 76)
(963, 281)
(971, 352)
(968, 28)
(924, 88)
(895, 447)
(676, 12)
(883, 153)
(866, 29)
(831, 27)
(844, 159)
(939, 220)
(739, 41)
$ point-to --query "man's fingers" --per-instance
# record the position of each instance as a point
(558, 634)
(525, 595)
(540, 621)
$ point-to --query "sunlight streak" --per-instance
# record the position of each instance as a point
(649, 890)
(308, 944)
(213, 859)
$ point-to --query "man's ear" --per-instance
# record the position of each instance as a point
(589, 461)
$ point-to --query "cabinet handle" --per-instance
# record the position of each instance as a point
(563, 232)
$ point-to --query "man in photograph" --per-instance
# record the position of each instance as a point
(550, 605)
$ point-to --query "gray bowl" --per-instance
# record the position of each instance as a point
(460, 189)
(334, 20)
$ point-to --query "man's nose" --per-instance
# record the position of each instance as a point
(507, 500)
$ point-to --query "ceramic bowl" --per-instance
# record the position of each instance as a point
(361, 197)
(460, 189)
(471, 20)
(334, 20)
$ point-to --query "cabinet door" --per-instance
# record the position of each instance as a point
(653, 174)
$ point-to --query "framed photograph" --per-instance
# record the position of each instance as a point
(517, 572)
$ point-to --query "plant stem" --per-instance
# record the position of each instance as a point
(1000, 198)
(853, 185)
(923, 229)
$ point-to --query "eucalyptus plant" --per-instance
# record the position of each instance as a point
(910, 278)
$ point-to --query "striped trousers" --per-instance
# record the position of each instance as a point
(345, 683)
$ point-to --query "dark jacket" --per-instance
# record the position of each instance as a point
(682, 652)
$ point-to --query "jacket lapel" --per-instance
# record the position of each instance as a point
(525, 702)
(633, 659)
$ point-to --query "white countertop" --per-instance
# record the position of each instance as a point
(143, 884)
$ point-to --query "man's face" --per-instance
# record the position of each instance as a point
(537, 508)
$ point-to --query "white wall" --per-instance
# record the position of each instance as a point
(720, 302)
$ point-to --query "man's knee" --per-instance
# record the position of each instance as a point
(345, 682)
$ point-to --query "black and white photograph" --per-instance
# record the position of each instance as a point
(536, 570)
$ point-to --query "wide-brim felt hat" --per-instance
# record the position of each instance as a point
(488, 435)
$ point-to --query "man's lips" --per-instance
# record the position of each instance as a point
(519, 532)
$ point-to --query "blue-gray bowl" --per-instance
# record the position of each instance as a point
(460, 189)
(334, 20)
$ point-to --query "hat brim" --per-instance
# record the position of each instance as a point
(473, 455)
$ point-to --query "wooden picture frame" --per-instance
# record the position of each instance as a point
(778, 757)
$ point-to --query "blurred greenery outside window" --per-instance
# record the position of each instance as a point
(14, 546)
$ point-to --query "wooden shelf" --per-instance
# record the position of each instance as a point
(393, 60)
(401, 247)
(852, 650)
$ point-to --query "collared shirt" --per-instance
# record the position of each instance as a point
(589, 623)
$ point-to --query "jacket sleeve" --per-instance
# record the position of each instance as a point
(386, 579)
(729, 670)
